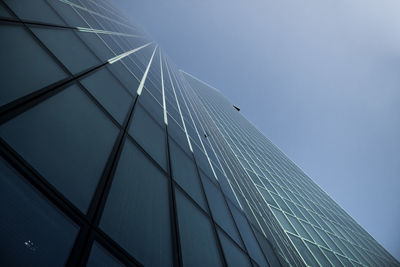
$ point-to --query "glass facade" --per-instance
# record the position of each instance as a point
(111, 156)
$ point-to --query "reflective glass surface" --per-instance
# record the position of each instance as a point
(199, 247)
(137, 211)
(100, 257)
(37, 68)
(33, 232)
(67, 139)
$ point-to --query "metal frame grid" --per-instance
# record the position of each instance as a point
(233, 151)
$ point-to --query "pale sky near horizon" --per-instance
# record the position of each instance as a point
(321, 79)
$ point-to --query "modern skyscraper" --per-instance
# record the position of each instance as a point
(112, 156)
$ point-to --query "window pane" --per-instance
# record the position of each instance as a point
(283, 220)
(109, 92)
(127, 78)
(335, 262)
(178, 134)
(299, 228)
(185, 174)
(37, 10)
(269, 252)
(219, 210)
(233, 254)
(137, 214)
(323, 261)
(149, 135)
(97, 45)
(4, 12)
(68, 14)
(33, 232)
(151, 104)
(267, 197)
(67, 139)
(25, 67)
(314, 234)
(198, 243)
(67, 47)
(304, 252)
(100, 257)
(248, 237)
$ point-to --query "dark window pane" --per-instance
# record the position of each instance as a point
(67, 139)
(97, 45)
(4, 12)
(127, 78)
(323, 261)
(151, 104)
(269, 252)
(109, 92)
(68, 48)
(185, 173)
(283, 220)
(202, 161)
(100, 257)
(68, 14)
(219, 210)
(178, 134)
(33, 232)
(233, 254)
(248, 237)
(37, 10)
(304, 252)
(25, 67)
(198, 243)
(149, 135)
(137, 214)
(333, 259)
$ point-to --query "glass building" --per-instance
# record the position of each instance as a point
(111, 156)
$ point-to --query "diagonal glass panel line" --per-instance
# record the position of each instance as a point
(93, 12)
(121, 56)
(163, 92)
(140, 89)
(83, 29)
(179, 107)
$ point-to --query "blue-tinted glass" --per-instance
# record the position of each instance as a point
(185, 173)
(332, 258)
(25, 67)
(68, 14)
(109, 92)
(269, 252)
(97, 45)
(151, 104)
(323, 261)
(68, 48)
(178, 134)
(219, 210)
(4, 12)
(234, 256)
(67, 139)
(100, 257)
(198, 242)
(304, 252)
(149, 135)
(299, 227)
(37, 10)
(127, 78)
(248, 237)
(33, 232)
(202, 161)
(283, 220)
(137, 214)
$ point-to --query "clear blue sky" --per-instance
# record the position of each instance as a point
(321, 79)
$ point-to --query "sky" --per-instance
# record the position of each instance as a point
(320, 78)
